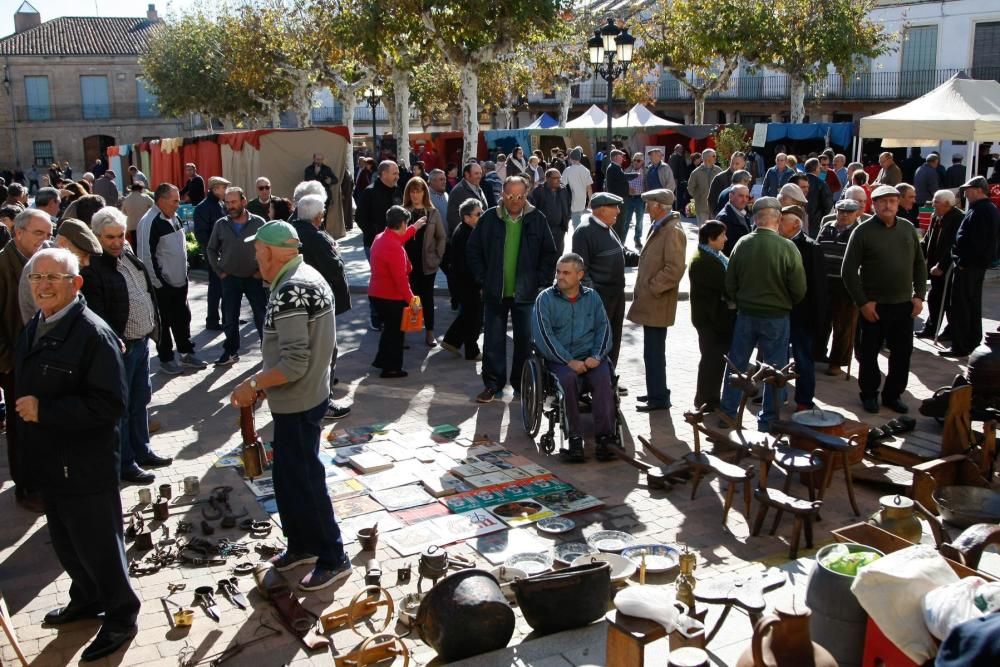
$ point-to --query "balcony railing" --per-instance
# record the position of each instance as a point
(71, 112)
(878, 85)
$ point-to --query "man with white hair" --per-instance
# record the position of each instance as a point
(261, 204)
(32, 229)
(937, 245)
(735, 216)
(854, 192)
(580, 184)
(320, 251)
(69, 400)
(776, 176)
(118, 288)
(700, 183)
(234, 262)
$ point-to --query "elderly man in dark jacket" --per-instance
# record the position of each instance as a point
(210, 209)
(552, 199)
(616, 182)
(724, 179)
(807, 315)
(937, 244)
(605, 259)
(819, 199)
(374, 202)
(512, 255)
(118, 288)
(320, 251)
(69, 399)
(735, 217)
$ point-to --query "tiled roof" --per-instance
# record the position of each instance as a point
(80, 36)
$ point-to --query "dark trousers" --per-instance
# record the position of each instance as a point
(13, 453)
(423, 286)
(495, 342)
(936, 307)
(621, 226)
(965, 312)
(300, 488)
(372, 310)
(801, 339)
(711, 367)
(133, 428)
(390, 343)
(175, 322)
(214, 298)
(233, 291)
(842, 319)
(598, 382)
(468, 324)
(86, 532)
(559, 238)
(894, 328)
(614, 306)
(654, 358)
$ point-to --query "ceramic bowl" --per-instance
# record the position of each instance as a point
(570, 551)
(659, 557)
(610, 541)
(530, 563)
(621, 568)
(556, 525)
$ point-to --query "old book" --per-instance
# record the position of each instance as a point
(402, 497)
(497, 547)
(568, 501)
(387, 479)
(521, 512)
(345, 508)
(414, 539)
(456, 527)
(369, 462)
(443, 484)
(349, 527)
(344, 488)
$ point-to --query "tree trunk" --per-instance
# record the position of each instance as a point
(564, 93)
(345, 97)
(507, 114)
(699, 107)
(401, 113)
(468, 81)
(797, 92)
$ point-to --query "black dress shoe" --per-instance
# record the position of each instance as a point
(870, 405)
(137, 475)
(652, 408)
(107, 642)
(156, 461)
(924, 333)
(393, 374)
(69, 613)
(896, 405)
(213, 326)
(952, 353)
(642, 399)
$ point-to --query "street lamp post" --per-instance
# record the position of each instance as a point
(610, 52)
(373, 95)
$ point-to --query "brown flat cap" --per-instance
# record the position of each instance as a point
(78, 233)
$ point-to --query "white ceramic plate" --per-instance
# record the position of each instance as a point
(569, 552)
(610, 541)
(621, 568)
(659, 557)
(530, 563)
(556, 525)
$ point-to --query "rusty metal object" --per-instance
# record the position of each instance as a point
(565, 599)
(161, 509)
(252, 453)
(967, 505)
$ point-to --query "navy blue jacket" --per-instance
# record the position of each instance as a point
(565, 330)
(976, 241)
(536, 261)
(205, 215)
(773, 180)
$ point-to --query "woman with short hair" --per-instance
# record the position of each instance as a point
(712, 314)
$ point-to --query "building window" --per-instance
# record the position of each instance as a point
(986, 51)
(146, 104)
(94, 92)
(919, 61)
(36, 94)
(43, 153)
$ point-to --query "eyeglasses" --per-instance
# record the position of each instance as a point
(263, 187)
(637, 160)
(514, 197)
(50, 277)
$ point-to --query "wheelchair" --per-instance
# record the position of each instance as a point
(542, 396)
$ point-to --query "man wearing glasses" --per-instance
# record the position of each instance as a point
(512, 255)
(261, 204)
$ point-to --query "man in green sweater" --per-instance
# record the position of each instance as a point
(886, 276)
(765, 279)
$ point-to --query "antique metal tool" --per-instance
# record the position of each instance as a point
(230, 588)
(203, 596)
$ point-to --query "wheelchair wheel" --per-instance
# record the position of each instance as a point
(619, 429)
(547, 443)
(531, 397)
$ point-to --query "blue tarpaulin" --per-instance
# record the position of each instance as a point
(840, 133)
(543, 122)
(506, 140)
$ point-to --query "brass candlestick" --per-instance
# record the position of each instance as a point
(685, 580)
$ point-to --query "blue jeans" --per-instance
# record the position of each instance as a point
(802, 344)
(495, 342)
(654, 358)
(300, 488)
(134, 424)
(233, 290)
(770, 335)
(634, 207)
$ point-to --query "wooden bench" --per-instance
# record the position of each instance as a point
(703, 464)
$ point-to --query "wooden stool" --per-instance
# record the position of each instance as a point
(804, 511)
(830, 449)
(628, 637)
(8, 629)
(703, 463)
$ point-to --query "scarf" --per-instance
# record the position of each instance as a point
(521, 166)
(708, 250)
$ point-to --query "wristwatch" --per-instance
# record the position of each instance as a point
(253, 382)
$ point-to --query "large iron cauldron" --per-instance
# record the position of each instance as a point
(568, 598)
(465, 614)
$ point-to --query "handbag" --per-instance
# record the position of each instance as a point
(412, 321)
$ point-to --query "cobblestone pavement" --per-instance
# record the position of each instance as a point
(197, 423)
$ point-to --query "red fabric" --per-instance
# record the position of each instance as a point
(208, 157)
(165, 167)
(112, 151)
(390, 278)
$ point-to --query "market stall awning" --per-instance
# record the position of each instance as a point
(639, 116)
(592, 118)
(839, 133)
(543, 122)
(960, 109)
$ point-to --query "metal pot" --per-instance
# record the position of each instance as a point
(984, 368)
(565, 599)
(817, 418)
(465, 614)
(967, 505)
(896, 516)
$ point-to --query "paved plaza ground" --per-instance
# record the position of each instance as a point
(197, 422)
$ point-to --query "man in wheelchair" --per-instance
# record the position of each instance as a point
(571, 331)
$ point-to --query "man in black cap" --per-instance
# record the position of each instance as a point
(605, 259)
(885, 274)
(974, 251)
(616, 182)
(841, 313)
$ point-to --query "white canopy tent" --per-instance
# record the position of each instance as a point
(639, 116)
(960, 109)
(591, 119)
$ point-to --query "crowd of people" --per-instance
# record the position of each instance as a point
(825, 265)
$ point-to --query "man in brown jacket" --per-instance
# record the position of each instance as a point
(32, 228)
(654, 299)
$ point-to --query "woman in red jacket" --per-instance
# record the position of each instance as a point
(389, 287)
